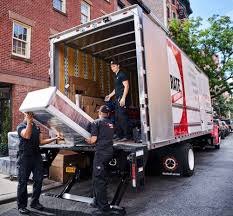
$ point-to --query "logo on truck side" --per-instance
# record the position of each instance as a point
(176, 86)
(175, 83)
(177, 89)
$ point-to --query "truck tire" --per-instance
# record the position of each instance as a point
(178, 160)
(188, 162)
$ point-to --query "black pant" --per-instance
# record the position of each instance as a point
(121, 120)
(100, 179)
(26, 165)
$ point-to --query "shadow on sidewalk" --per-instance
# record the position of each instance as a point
(47, 212)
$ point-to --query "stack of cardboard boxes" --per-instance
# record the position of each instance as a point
(82, 86)
(89, 104)
(85, 93)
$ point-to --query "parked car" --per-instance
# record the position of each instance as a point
(229, 122)
(226, 128)
(221, 132)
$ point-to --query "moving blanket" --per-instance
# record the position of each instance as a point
(58, 113)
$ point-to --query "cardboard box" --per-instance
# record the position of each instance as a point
(99, 101)
(90, 105)
(94, 115)
(64, 158)
(82, 101)
(58, 174)
(87, 87)
(86, 100)
(89, 109)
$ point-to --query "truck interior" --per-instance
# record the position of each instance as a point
(82, 72)
(83, 69)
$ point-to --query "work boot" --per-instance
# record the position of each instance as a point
(110, 212)
(37, 206)
(24, 211)
(123, 139)
(117, 138)
(93, 205)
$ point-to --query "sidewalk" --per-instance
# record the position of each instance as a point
(8, 188)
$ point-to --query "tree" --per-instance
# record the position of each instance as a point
(211, 48)
(203, 45)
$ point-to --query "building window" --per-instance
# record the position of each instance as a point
(168, 12)
(21, 39)
(174, 15)
(173, 2)
(85, 12)
(60, 5)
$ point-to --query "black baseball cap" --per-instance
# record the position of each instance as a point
(103, 109)
(114, 61)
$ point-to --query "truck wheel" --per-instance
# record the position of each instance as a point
(188, 159)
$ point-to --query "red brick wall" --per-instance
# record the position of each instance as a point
(44, 18)
(126, 2)
(18, 94)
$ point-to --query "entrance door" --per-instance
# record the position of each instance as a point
(5, 112)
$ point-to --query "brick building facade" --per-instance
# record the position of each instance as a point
(25, 27)
(156, 6)
(164, 10)
(177, 9)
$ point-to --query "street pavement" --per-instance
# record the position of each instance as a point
(8, 188)
(209, 192)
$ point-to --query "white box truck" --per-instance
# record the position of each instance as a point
(169, 91)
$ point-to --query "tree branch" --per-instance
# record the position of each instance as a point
(221, 92)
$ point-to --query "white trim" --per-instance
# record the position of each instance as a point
(64, 6)
(165, 13)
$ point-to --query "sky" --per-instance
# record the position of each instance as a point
(206, 8)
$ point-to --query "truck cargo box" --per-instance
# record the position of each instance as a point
(169, 90)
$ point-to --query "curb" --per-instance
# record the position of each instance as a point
(13, 197)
